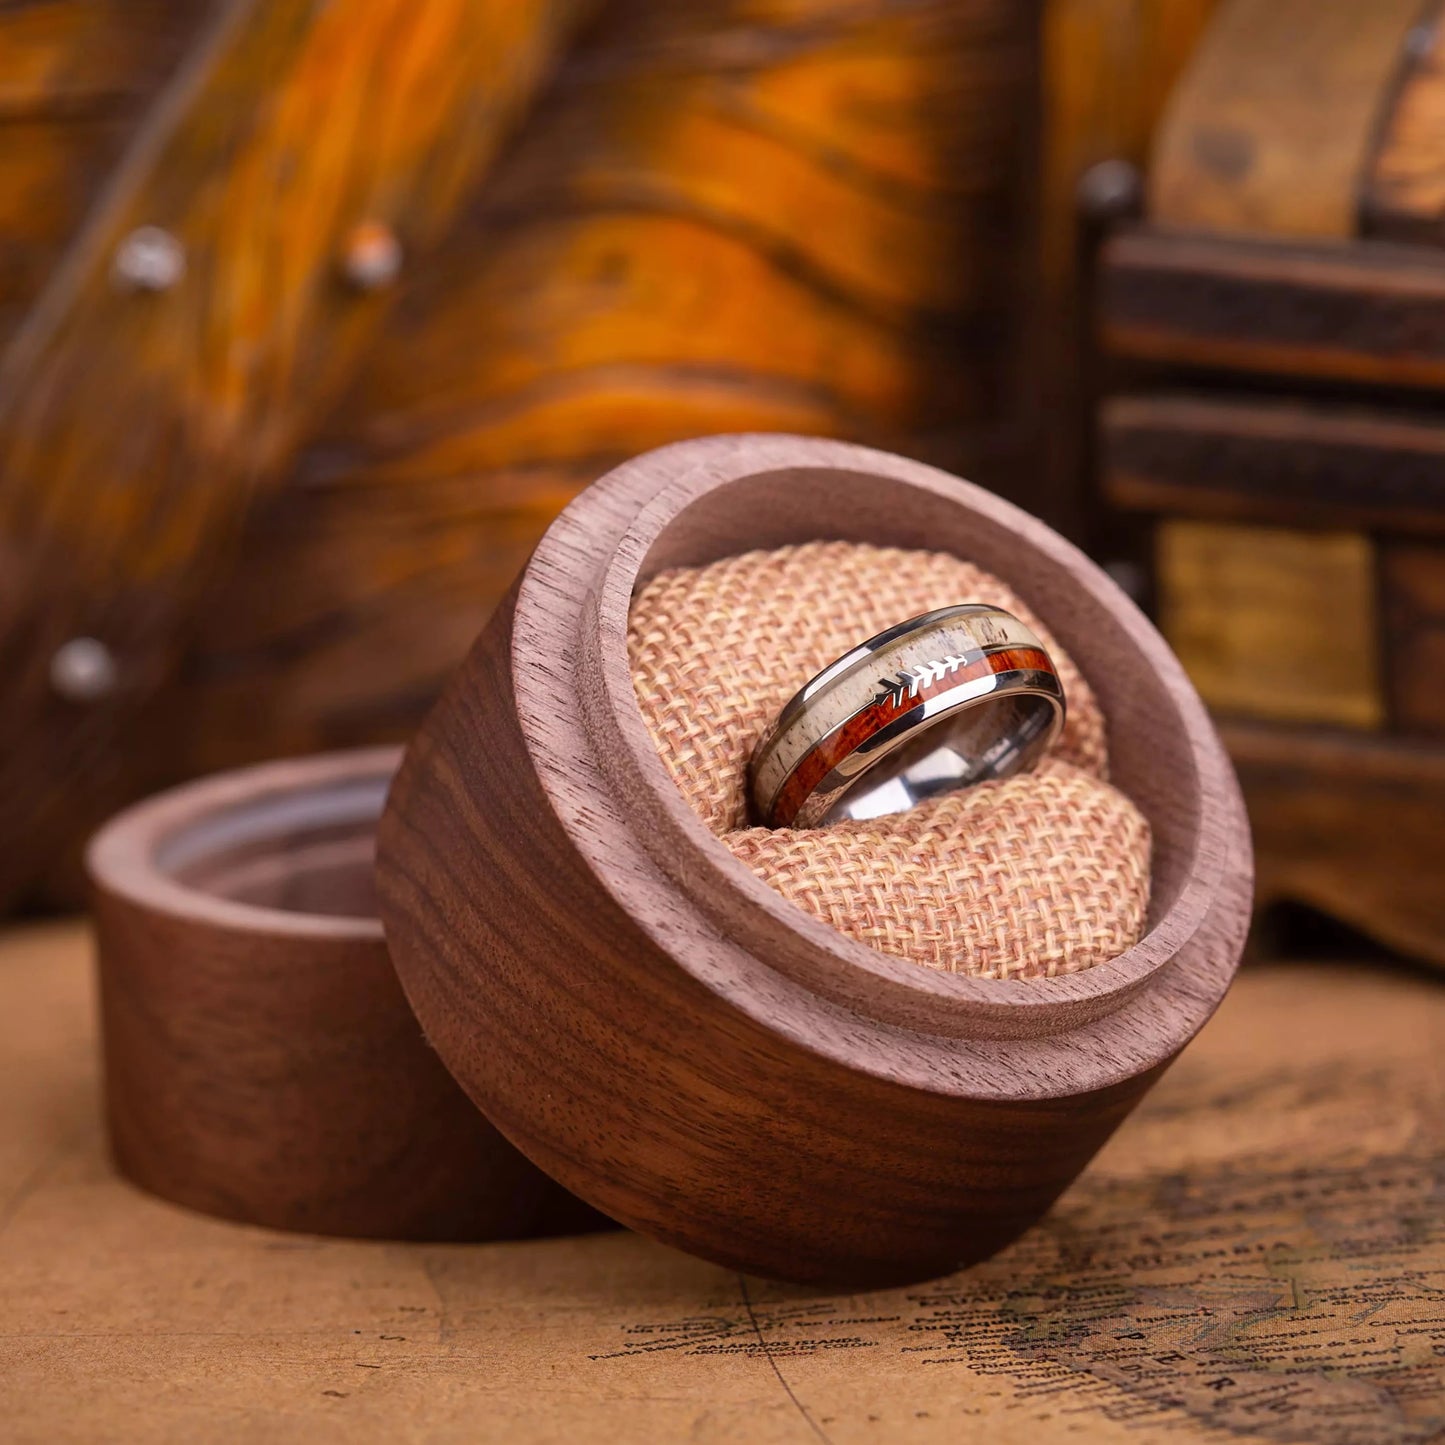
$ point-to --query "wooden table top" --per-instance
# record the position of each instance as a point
(1259, 1253)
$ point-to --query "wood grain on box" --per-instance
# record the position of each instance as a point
(673, 1040)
(260, 1060)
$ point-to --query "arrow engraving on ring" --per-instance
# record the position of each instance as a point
(906, 684)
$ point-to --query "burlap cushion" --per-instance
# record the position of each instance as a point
(1038, 875)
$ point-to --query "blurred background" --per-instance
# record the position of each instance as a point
(314, 314)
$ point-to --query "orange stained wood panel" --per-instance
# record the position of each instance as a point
(712, 217)
(277, 141)
(69, 57)
(794, 221)
(287, 126)
(76, 77)
(697, 232)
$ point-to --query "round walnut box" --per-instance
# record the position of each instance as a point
(673, 1040)
(261, 1063)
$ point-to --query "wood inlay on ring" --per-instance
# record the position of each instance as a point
(891, 704)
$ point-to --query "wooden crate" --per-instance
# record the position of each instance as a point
(1273, 333)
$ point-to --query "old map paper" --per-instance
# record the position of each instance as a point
(1258, 1256)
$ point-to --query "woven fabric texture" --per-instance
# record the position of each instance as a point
(1038, 875)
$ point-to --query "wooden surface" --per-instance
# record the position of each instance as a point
(261, 1062)
(1273, 622)
(677, 1043)
(1351, 825)
(1291, 463)
(1412, 581)
(1372, 313)
(1257, 1255)
(287, 501)
(1272, 126)
(1403, 195)
(1278, 323)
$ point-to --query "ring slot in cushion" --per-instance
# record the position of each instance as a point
(1038, 875)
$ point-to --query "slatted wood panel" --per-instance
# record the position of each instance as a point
(1279, 320)
(1297, 463)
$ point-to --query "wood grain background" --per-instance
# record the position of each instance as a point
(287, 502)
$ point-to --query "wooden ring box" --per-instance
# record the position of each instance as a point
(667, 1036)
(261, 1062)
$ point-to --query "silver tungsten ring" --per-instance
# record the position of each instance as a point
(936, 703)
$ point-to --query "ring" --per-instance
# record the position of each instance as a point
(940, 702)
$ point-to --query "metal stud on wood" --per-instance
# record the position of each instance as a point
(373, 256)
(83, 670)
(148, 259)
